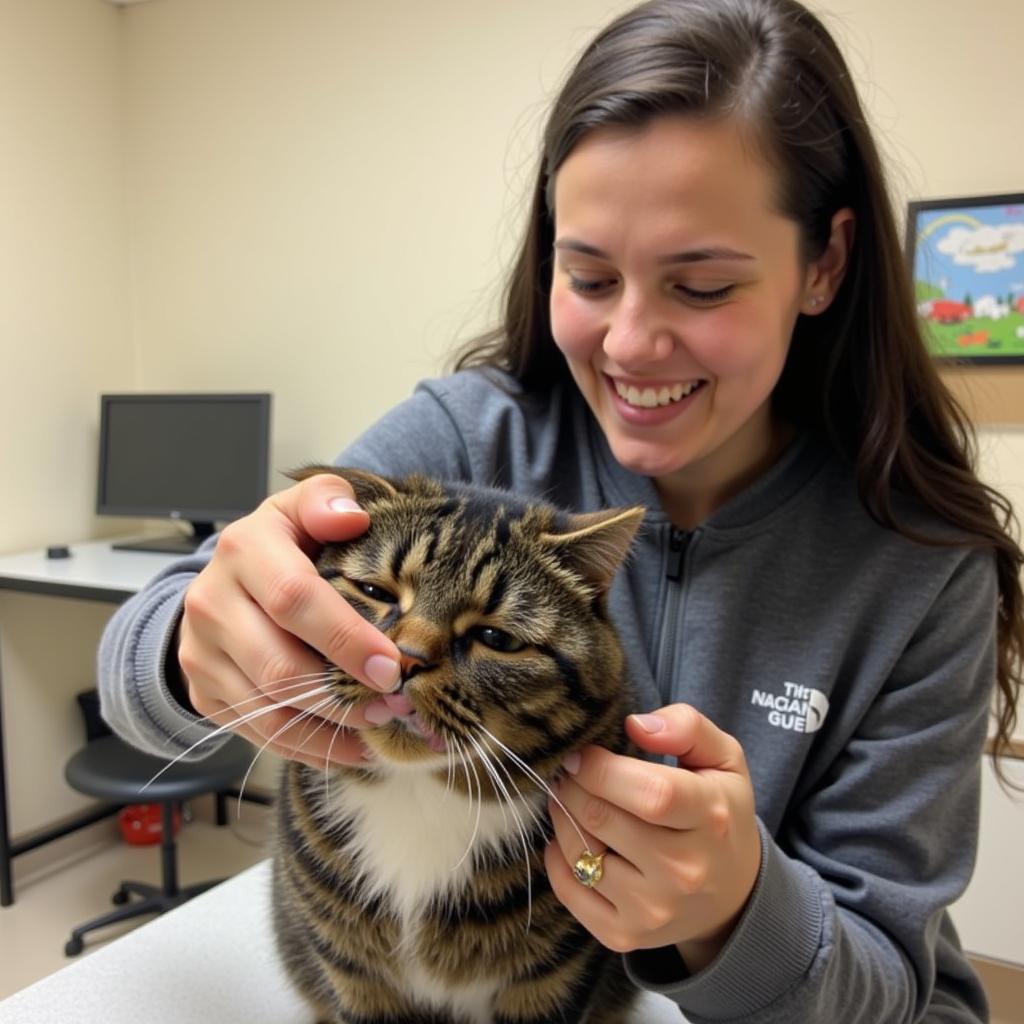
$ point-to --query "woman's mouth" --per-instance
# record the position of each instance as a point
(649, 397)
(650, 404)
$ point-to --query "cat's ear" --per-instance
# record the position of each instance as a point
(596, 543)
(368, 486)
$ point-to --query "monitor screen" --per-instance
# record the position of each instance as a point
(195, 457)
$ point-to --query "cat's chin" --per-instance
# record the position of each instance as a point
(407, 742)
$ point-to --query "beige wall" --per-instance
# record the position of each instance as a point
(63, 259)
(63, 338)
(320, 191)
(315, 197)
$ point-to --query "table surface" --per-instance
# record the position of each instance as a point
(93, 566)
(212, 959)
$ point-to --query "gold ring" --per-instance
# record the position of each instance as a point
(589, 869)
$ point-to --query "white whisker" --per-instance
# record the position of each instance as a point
(284, 686)
(485, 762)
(316, 679)
(310, 713)
(339, 726)
(520, 827)
(467, 764)
(449, 783)
(517, 760)
(249, 716)
(538, 820)
(315, 719)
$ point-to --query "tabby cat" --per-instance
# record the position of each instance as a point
(412, 889)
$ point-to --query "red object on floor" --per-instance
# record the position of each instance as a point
(141, 824)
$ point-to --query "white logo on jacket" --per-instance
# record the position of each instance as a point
(798, 709)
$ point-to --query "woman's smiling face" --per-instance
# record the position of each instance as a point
(675, 291)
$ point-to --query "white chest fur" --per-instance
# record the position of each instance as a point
(414, 837)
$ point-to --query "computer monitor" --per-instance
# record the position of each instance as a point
(198, 458)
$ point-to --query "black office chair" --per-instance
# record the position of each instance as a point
(114, 771)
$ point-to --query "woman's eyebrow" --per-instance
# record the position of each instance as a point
(582, 247)
(690, 256)
(702, 255)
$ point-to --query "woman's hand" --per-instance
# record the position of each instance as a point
(259, 622)
(683, 848)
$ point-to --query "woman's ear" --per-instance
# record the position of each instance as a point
(825, 274)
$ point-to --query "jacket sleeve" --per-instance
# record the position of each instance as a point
(419, 435)
(848, 919)
(134, 697)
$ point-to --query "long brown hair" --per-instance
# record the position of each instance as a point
(860, 372)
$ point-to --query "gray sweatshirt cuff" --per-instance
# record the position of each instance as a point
(159, 723)
(770, 951)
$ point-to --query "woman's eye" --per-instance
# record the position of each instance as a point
(375, 593)
(710, 297)
(497, 639)
(585, 286)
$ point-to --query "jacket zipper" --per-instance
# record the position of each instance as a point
(675, 565)
(677, 543)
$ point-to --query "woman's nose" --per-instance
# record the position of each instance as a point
(637, 333)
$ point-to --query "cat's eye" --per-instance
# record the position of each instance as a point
(375, 592)
(497, 639)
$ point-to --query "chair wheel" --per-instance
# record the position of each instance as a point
(119, 897)
(73, 946)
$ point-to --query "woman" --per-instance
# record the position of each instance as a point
(710, 316)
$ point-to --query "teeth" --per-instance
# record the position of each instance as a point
(649, 398)
(418, 726)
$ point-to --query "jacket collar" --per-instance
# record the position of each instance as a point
(770, 494)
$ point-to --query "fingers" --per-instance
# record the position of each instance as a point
(599, 909)
(683, 732)
(571, 842)
(682, 843)
(219, 616)
(308, 607)
(657, 794)
(260, 625)
(320, 509)
(324, 508)
(268, 554)
(286, 731)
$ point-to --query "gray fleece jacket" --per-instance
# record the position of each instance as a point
(853, 665)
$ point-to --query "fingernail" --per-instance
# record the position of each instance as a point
(344, 505)
(382, 671)
(378, 713)
(571, 764)
(649, 723)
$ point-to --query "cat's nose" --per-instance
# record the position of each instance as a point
(412, 661)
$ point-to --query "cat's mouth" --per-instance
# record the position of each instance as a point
(418, 727)
(397, 713)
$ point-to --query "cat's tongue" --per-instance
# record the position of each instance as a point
(398, 703)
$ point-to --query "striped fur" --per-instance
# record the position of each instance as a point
(412, 890)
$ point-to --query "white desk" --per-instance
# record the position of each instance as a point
(93, 572)
(212, 959)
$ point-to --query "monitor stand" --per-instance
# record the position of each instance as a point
(173, 544)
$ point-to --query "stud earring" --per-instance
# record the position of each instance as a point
(815, 301)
